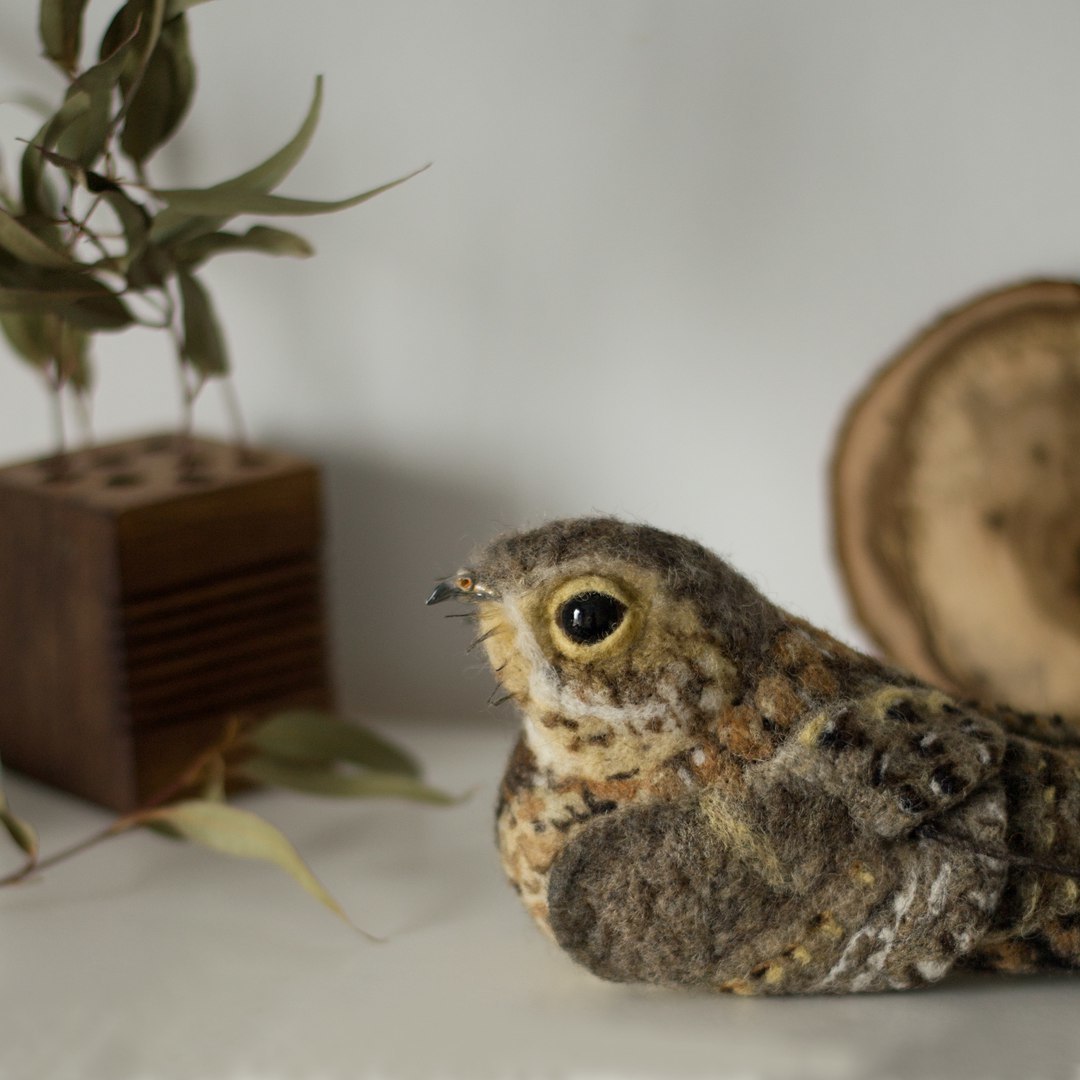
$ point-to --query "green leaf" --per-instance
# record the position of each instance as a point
(178, 7)
(163, 95)
(262, 238)
(85, 138)
(125, 51)
(325, 780)
(60, 28)
(23, 244)
(141, 20)
(123, 27)
(74, 169)
(25, 332)
(77, 174)
(20, 831)
(231, 831)
(204, 344)
(150, 269)
(84, 311)
(229, 202)
(76, 297)
(144, 265)
(268, 174)
(263, 177)
(310, 736)
(133, 218)
(38, 200)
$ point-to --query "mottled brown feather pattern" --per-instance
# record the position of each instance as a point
(716, 793)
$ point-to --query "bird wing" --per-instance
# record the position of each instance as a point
(647, 894)
(778, 892)
(1054, 730)
(896, 757)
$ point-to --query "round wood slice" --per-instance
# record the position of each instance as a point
(956, 500)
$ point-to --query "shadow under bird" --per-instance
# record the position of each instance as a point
(709, 791)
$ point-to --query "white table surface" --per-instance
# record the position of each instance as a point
(148, 959)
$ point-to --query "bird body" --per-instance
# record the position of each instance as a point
(709, 791)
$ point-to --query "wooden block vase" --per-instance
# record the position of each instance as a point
(144, 602)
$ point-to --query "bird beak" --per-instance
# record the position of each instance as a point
(463, 587)
(444, 591)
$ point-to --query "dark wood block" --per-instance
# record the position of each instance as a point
(142, 605)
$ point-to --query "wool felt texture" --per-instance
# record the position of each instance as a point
(709, 791)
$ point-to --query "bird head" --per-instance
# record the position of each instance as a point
(598, 627)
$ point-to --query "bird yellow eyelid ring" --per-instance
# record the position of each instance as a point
(463, 586)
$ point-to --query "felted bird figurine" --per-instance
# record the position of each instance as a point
(709, 791)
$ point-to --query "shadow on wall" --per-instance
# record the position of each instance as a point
(390, 534)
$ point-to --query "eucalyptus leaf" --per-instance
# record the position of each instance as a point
(23, 244)
(38, 200)
(133, 218)
(204, 344)
(82, 306)
(310, 736)
(20, 831)
(229, 202)
(75, 171)
(163, 96)
(325, 780)
(264, 177)
(123, 27)
(240, 833)
(25, 333)
(60, 29)
(268, 174)
(137, 19)
(85, 139)
(149, 269)
(78, 175)
(261, 238)
(98, 183)
(178, 7)
(100, 311)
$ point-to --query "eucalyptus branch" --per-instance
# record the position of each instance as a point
(80, 227)
(302, 750)
(36, 866)
(187, 400)
(136, 82)
(60, 466)
(236, 416)
(116, 113)
(80, 230)
(84, 415)
(187, 779)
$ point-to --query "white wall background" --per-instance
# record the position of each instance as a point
(660, 247)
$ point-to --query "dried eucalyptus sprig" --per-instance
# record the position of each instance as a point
(88, 245)
(307, 751)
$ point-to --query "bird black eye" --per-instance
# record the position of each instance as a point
(590, 617)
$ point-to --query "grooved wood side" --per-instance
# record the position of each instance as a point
(138, 612)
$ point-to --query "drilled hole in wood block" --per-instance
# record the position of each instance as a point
(123, 479)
